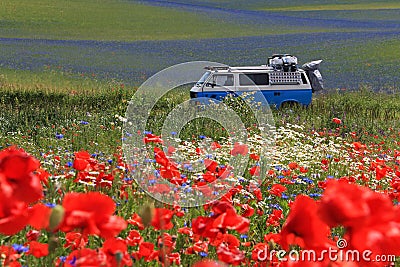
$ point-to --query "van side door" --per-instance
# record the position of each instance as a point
(219, 85)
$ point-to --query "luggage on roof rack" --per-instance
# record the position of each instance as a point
(285, 62)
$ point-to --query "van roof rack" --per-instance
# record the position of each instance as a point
(216, 68)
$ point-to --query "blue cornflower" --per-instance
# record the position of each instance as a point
(203, 254)
(59, 136)
(307, 180)
(50, 205)
(278, 168)
(20, 248)
(84, 122)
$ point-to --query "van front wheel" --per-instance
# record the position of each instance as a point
(289, 105)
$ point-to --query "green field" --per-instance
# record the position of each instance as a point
(117, 20)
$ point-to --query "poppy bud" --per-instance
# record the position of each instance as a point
(147, 214)
(53, 244)
(56, 217)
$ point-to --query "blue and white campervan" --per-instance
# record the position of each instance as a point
(281, 81)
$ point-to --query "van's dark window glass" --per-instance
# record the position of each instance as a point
(303, 78)
(254, 79)
(223, 79)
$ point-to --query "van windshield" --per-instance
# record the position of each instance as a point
(203, 78)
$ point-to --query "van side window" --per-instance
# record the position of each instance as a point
(254, 79)
(223, 79)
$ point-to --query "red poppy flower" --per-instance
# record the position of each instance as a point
(351, 205)
(337, 120)
(9, 257)
(159, 188)
(162, 219)
(209, 263)
(272, 237)
(171, 150)
(293, 165)
(277, 190)
(39, 216)
(230, 220)
(152, 138)
(146, 251)
(239, 149)
(230, 255)
(93, 213)
(203, 226)
(303, 226)
(75, 240)
(116, 251)
(17, 180)
(37, 249)
(381, 172)
(260, 252)
(210, 165)
(248, 211)
(13, 216)
(255, 171)
(258, 194)
(303, 170)
(169, 171)
(134, 238)
(86, 257)
(81, 161)
(215, 145)
(359, 147)
(160, 157)
(32, 235)
(274, 218)
(255, 157)
(136, 220)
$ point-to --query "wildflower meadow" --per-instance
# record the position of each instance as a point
(321, 189)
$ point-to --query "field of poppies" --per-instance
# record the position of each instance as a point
(325, 193)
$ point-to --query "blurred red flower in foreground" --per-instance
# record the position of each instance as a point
(17, 180)
(19, 187)
(209, 263)
(370, 219)
(93, 213)
(303, 227)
